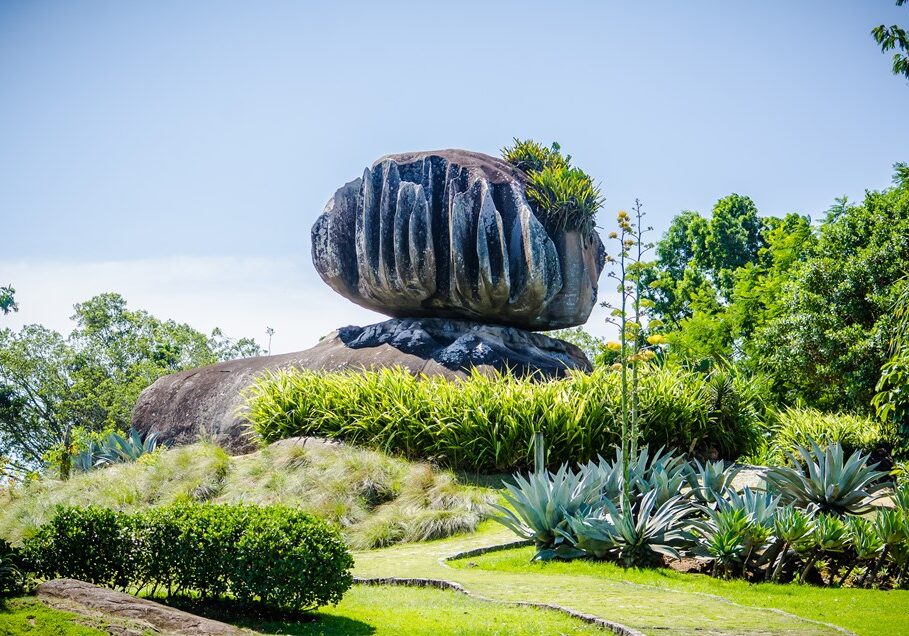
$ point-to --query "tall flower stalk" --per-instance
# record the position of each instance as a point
(629, 315)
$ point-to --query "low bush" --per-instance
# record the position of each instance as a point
(89, 544)
(487, 422)
(274, 555)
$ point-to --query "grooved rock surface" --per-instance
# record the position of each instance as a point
(450, 234)
(209, 401)
(160, 617)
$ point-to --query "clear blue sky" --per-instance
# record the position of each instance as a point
(183, 131)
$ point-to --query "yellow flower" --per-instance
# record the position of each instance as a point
(616, 367)
(656, 339)
(613, 235)
(614, 346)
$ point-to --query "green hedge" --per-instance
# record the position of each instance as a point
(273, 555)
(487, 423)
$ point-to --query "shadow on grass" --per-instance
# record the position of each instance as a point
(268, 621)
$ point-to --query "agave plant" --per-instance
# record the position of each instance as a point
(759, 509)
(604, 479)
(901, 497)
(664, 474)
(828, 483)
(711, 481)
(118, 448)
(89, 458)
(792, 527)
(540, 504)
(635, 533)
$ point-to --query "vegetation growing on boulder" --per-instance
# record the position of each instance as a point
(563, 196)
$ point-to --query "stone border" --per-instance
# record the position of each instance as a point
(441, 584)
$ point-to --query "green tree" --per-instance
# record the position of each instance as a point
(891, 402)
(592, 346)
(894, 38)
(697, 258)
(50, 385)
(834, 321)
(694, 281)
(8, 300)
(734, 239)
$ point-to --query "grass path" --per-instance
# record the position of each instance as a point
(647, 608)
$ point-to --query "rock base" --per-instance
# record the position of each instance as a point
(208, 402)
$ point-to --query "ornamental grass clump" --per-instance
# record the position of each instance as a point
(563, 197)
(487, 422)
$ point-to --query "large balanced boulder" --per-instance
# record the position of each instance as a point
(450, 233)
(209, 402)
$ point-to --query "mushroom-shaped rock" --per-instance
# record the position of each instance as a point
(450, 234)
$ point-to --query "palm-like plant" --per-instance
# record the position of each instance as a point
(829, 535)
(864, 541)
(540, 504)
(10, 577)
(828, 483)
(792, 527)
(635, 533)
(722, 538)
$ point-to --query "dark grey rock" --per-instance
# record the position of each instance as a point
(450, 234)
(208, 402)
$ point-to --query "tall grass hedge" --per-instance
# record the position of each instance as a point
(487, 423)
(276, 556)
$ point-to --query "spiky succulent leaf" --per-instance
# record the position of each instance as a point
(827, 482)
(540, 503)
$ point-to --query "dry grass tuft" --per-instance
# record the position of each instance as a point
(377, 500)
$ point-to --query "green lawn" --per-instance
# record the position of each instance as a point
(651, 601)
(869, 612)
(396, 611)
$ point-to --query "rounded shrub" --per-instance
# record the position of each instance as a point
(290, 559)
(89, 544)
(273, 555)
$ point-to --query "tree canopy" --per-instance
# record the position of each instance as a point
(90, 380)
(808, 305)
